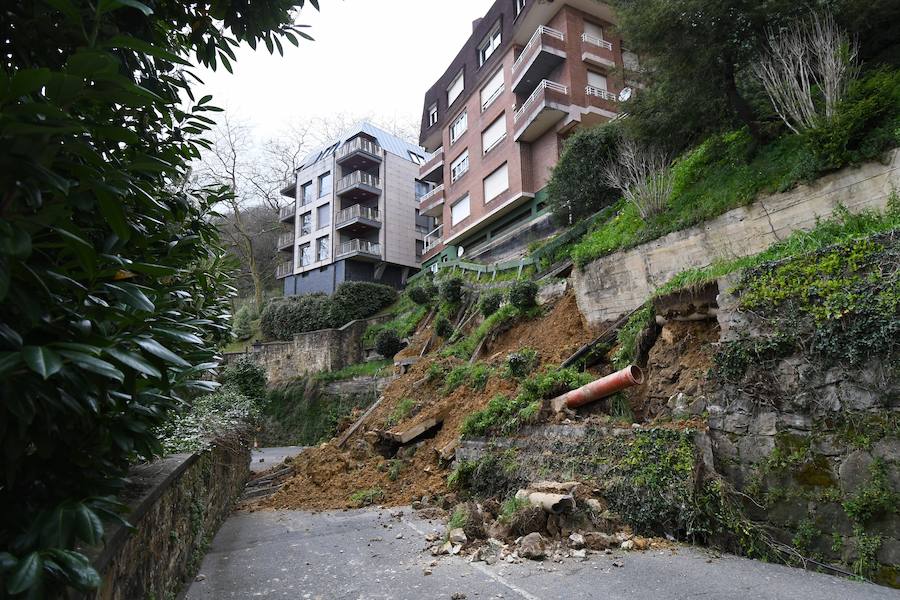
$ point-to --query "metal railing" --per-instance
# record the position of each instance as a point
(357, 177)
(287, 211)
(546, 84)
(285, 239)
(358, 245)
(359, 144)
(432, 194)
(434, 237)
(592, 39)
(284, 269)
(357, 211)
(540, 31)
(590, 90)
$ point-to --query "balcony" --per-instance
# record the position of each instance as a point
(597, 52)
(357, 218)
(605, 100)
(359, 154)
(289, 188)
(286, 241)
(288, 213)
(284, 269)
(362, 249)
(433, 169)
(432, 203)
(544, 52)
(434, 239)
(359, 186)
(544, 108)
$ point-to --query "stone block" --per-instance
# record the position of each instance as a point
(855, 471)
(855, 397)
(736, 422)
(887, 449)
(764, 424)
(889, 553)
(755, 448)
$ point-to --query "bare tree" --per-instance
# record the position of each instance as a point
(643, 175)
(806, 62)
(327, 129)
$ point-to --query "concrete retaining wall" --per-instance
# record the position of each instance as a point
(616, 284)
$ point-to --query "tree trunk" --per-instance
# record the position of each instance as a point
(257, 282)
(742, 109)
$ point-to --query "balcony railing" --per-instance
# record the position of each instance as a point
(357, 178)
(284, 269)
(434, 237)
(592, 39)
(357, 211)
(287, 212)
(285, 239)
(359, 144)
(600, 93)
(535, 40)
(542, 86)
(357, 245)
(433, 193)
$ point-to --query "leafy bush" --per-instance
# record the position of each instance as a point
(574, 190)
(442, 327)
(490, 303)
(388, 343)
(451, 290)
(523, 294)
(521, 363)
(359, 300)
(423, 293)
(476, 376)
(283, 318)
(246, 376)
(207, 418)
(242, 328)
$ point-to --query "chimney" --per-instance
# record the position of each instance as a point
(476, 23)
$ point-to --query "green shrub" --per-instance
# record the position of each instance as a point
(451, 290)
(521, 363)
(388, 343)
(359, 300)
(367, 497)
(490, 303)
(442, 327)
(242, 328)
(208, 417)
(422, 293)
(523, 294)
(476, 376)
(246, 376)
(282, 318)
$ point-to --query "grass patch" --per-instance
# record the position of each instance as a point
(475, 376)
(510, 507)
(375, 368)
(407, 316)
(458, 518)
(506, 315)
(366, 497)
(400, 412)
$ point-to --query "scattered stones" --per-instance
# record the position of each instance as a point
(627, 545)
(532, 546)
(596, 540)
(617, 563)
(580, 554)
(399, 536)
(458, 596)
(458, 536)
(576, 541)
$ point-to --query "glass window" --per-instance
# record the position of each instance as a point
(422, 188)
(324, 184)
(496, 183)
(305, 255)
(419, 160)
(593, 33)
(596, 80)
(492, 90)
(459, 126)
(323, 216)
(306, 193)
(432, 114)
(494, 134)
(323, 248)
(520, 4)
(306, 224)
(460, 210)
(456, 88)
(459, 166)
(487, 47)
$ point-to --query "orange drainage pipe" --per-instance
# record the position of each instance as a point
(601, 388)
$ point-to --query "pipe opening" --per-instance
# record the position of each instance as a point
(637, 375)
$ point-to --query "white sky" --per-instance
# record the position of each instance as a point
(369, 57)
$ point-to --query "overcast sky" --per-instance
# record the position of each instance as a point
(373, 57)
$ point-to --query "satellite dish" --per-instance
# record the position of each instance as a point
(460, 251)
(625, 94)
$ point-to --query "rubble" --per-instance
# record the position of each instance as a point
(532, 546)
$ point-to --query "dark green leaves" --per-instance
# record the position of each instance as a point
(26, 574)
(41, 360)
(135, 361)
(158, 350)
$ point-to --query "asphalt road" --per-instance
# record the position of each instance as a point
(266, 458)
(367, 554)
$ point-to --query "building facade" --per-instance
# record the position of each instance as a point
(493, 124)
(354, 215)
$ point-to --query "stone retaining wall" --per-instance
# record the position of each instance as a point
(616, 284)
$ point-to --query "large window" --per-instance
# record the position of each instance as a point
(306, 224)
(593, 32)
(492, 90)
(422, 188)
(460, 210)
(520, 4)
(459, 126)
(459, 166)
(496, 183)
(432, 114)
(305, 255)
(323, 248)
(456, 88)
(323, 216)
(489, 45)
(324, 184)
(494, 134)
(306, 193)
(596, 80)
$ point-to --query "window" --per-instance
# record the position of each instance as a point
(492, 90)
(593, 33)
(459, 126)
(460, 210)
(459, 166)
(456, 88)
(306, 193)
(419, 160)
(323, 216)
(324, 184)
(305, 255)
(487, 47)
(496, 183)
(596, 80)
(422, 188)
(420, 248)
(494, 134)
(432, 114)
(323, 248)
(306, 224)
(520, 4)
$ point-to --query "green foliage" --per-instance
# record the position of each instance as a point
(497, 473)
(475, 376)
(246, 376)
(242, 328)
(733, 359)
(407, 316)
(875, 498)
(423, 293)
(511, 507)
(627, 338)
(367, 497)
(403, 409)
(867, 547)
(459, 518)
(388, 343)
(504, 317)
(522, 294)
(359, 300)
(490, 303)
(521, 363)
(451, 290)
(371, 368)
(442, 327)
(619, 231)
(575, 190)
(207, 418)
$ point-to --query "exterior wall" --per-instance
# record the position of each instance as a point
(616, 284)
(398, 207)
(312, 174)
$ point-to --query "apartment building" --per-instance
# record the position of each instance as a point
(494, 122)
(354, 215)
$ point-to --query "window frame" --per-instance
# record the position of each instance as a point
(520, 6)
(505, 166)
(303, 188)
(310, 230)
(468, 199)
(487, 148)
(433, 115)
(330, 177)
(487, 47)
(319, 257)
(461, 78)
(462, 116)
(319, 211)
(463, 157)
(485, 104)
(308, 248)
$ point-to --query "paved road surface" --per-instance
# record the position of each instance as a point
(266, 458)
(360, 554)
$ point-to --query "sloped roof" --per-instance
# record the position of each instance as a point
(389, 142)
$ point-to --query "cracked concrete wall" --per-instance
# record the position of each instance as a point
(616, 284)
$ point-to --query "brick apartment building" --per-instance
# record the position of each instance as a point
(531, 72)
(354, 215)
